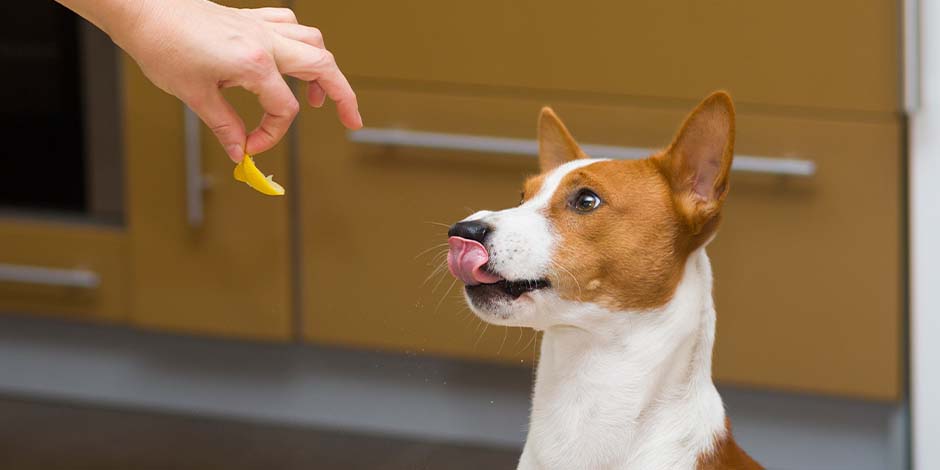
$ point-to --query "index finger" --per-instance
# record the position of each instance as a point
(280, 107)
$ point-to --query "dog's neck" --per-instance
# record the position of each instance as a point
(629, 389)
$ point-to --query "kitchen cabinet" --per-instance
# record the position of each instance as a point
(209, 255)
(794, 55)
(808, 267)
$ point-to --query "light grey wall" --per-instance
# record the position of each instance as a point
(924, 218)
(389, 394)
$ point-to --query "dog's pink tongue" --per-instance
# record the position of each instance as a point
(466, 259)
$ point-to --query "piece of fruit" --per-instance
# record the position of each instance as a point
(248, 173)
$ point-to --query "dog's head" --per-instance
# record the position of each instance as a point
(612, 233)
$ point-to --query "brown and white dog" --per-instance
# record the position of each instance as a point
(607, 258)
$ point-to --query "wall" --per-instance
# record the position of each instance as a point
(924, 173)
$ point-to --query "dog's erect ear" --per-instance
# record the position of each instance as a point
(698, 161)
(556, 145)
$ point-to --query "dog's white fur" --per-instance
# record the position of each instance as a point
(614, 390)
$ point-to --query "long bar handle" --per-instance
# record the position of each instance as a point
(526, 147)
(195, 183)
(55, 277)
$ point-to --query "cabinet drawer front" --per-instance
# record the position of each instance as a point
(837, 54)
(807, 267)
(69, 270)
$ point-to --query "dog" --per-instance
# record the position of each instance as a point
(607, 258)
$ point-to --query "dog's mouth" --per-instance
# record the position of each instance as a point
(512, 289)
(468, 261)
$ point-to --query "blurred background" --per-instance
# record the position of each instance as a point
(159, 315)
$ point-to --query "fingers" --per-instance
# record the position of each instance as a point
(307, 35)
(280, 107)
(309, 63)
(315, 95)
(275, 15)
(299, 32)
(224, 122)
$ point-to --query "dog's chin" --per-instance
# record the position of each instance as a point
(509, 303)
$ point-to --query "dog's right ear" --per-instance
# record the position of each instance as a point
(556, 145)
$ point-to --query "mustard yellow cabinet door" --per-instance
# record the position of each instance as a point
(72, 270)
(226, 274)
(801, 54)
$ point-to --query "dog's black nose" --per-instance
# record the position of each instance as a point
(471, 230)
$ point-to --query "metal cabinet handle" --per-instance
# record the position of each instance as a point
(78, 278)
(195, 182)
(526, 147)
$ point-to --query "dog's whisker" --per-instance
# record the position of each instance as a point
(439, 245)
(503, 343)
(479, 326)
(437, 223)
(439, 260)
(534, 335)
(535, 349)
(577, 283)
(518, 338)
(441, 279)
(433, 273)
(439, 257)
(485, 327)
(439, 302)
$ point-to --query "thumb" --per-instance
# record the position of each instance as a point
(224, 122)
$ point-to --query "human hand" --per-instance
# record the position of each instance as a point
(194, 48)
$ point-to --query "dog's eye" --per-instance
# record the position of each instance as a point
(585, 201)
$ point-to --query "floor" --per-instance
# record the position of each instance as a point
(51, 436)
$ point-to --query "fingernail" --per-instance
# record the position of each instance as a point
(235, 152)
(359, 116)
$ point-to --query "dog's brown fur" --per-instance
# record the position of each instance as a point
(728, 455)
(629, 254)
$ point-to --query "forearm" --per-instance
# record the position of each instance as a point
(114, 17)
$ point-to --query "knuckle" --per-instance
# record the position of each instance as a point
(257, 62)
(314, 35)
(288, 14)
(325, 59)
(291, 108)
(257, 56)
(227, 131)
(221, 129)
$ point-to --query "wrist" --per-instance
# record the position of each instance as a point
(105, 14)
(126, 22)
(122, 20)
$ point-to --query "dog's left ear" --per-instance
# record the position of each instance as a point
(556, 145)
(698, 161)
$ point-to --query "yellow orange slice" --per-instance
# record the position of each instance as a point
(248, 173)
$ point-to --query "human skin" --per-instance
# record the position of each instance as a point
(194, 48)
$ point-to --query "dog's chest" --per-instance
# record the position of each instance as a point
(646, 403)
(604, 429)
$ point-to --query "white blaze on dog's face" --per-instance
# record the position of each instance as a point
(610, 233)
